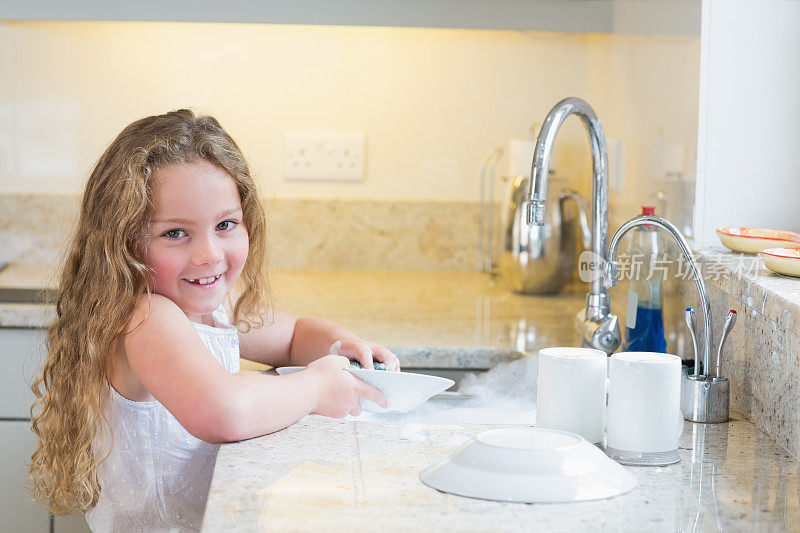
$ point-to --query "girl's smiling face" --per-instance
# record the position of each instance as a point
(197, 244)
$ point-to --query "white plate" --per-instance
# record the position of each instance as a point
(753, 240)
(529, 465)
(782, 260)
(403, 390)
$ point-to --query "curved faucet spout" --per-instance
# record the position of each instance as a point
(611, 274)
(596, 324)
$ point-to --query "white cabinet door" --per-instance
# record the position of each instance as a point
(21, 356)
(71, 524)
(18, 511)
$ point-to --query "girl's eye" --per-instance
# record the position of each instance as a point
(226, 225)
(174, 233)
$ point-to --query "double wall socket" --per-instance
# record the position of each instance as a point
(324, 156)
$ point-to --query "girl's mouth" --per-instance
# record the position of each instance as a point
(204, 282)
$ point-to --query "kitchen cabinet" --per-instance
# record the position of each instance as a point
(592, 16)
(71, 524)
(18, 511)
(21, 354)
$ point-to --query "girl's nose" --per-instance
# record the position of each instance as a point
(206, 251)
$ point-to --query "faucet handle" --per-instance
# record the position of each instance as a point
(691, 323)
(600, 333)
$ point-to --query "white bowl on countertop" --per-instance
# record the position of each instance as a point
(753, 240)
(529, 465)
(784, 261)
(403, 390)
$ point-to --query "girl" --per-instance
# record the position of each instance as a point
(141, 382)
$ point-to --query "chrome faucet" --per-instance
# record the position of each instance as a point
(611, 274)
(704, 398)
(597, 326)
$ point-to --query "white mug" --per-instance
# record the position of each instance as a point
(644, 421)
(571, 391)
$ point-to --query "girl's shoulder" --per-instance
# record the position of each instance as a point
(150, 314)
(157, 322)
(154, 310)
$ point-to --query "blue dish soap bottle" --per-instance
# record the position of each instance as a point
(644, 330)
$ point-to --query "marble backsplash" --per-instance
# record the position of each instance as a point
(304, 234)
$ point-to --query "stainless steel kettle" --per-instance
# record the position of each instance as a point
(540, 259)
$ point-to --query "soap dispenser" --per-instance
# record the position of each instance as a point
(644, 330)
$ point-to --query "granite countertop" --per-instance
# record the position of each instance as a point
(30, 279)
(744, 276)
(363, 474)
(434, 319)
(347, 475)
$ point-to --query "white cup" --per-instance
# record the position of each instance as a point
(644, 422)
(571, 391)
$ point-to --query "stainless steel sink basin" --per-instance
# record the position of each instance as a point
(27, 295)
(456, 374)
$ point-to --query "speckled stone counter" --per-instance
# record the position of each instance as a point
(438, 319)
(323, 474)
(357, 234)
(762, 356)
(33, 279)
(340, 475)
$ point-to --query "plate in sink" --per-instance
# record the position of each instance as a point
(784, 261)
(403, 390)
(753, 240)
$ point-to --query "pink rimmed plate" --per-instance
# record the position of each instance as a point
(784, 261)
(753, 240)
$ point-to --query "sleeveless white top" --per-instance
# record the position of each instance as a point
(158, 475)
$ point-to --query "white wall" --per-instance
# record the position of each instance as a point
(6, 101)
(644, 88)
(749, 118)
(432, 102)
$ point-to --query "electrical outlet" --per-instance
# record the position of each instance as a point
(324, 156)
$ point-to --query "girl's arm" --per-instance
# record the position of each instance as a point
(287, 340)
(166, 355)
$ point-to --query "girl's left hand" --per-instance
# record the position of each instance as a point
(365, 352)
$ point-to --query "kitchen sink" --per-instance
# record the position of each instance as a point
(504, 394)
(456, 374)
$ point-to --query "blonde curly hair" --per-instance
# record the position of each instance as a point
(103, 275)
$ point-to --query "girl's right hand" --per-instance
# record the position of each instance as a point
(338, 390)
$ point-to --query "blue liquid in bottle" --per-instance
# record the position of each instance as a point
(647, 249)
(648, 334)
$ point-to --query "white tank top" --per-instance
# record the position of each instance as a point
(158, 475)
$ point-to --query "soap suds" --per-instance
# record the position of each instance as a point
(505, 394)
